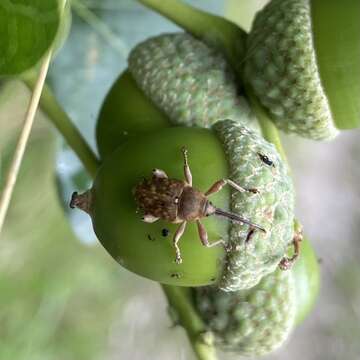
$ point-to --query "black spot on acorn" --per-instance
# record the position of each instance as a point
(165, 232)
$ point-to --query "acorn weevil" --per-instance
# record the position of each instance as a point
(177, 201)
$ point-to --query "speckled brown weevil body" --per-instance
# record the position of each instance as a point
(177, 201)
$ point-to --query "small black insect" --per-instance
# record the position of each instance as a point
(165, 232)
(266, 160)
(151, 238)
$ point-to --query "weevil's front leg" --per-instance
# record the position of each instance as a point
(204, 237)
(187, 171)
(178, 234)
(159, 174)
(218, 185)
(286, 263)
(149, 218)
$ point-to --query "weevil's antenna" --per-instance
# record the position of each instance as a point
(237, 218)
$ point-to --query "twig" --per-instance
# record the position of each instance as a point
(201, 339)
(5, 197)
(100, 27)
(60, 119)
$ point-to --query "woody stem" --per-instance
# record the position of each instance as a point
(60, 119)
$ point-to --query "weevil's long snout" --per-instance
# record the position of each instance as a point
(237, 218)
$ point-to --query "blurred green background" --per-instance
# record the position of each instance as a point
(63, 297)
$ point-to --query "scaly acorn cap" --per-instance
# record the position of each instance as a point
(282, 70)
(257, 321)
(302, 57)
(188, 80)
(273, 207)
(251, 322)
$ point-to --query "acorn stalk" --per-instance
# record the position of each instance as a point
(202, 340)
(61, 120)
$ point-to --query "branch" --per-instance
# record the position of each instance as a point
(201, 339)
(66, 127)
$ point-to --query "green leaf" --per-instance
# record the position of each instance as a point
(27, 30)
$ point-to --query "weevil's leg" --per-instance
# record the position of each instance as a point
(286, 263)
(178, 234)
(149, 218)
(218, 185)
(250, 234)
(204, 237)
(159, 173)
(187, 171)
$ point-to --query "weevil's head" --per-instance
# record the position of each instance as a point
(209, 208)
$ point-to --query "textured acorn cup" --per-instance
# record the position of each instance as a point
(228, 151)
(259, 320)
(191, 82)
(175, 79)
(250, 322)
(303, 63)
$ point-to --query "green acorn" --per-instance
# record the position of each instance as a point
(301, 60)
(257, 321)
(161, 92)
(190, 81)
(229, 150)
(173, 79)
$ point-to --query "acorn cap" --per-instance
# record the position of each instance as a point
(191, 82)
(255, 163)
(252, 322)
(282, 68)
